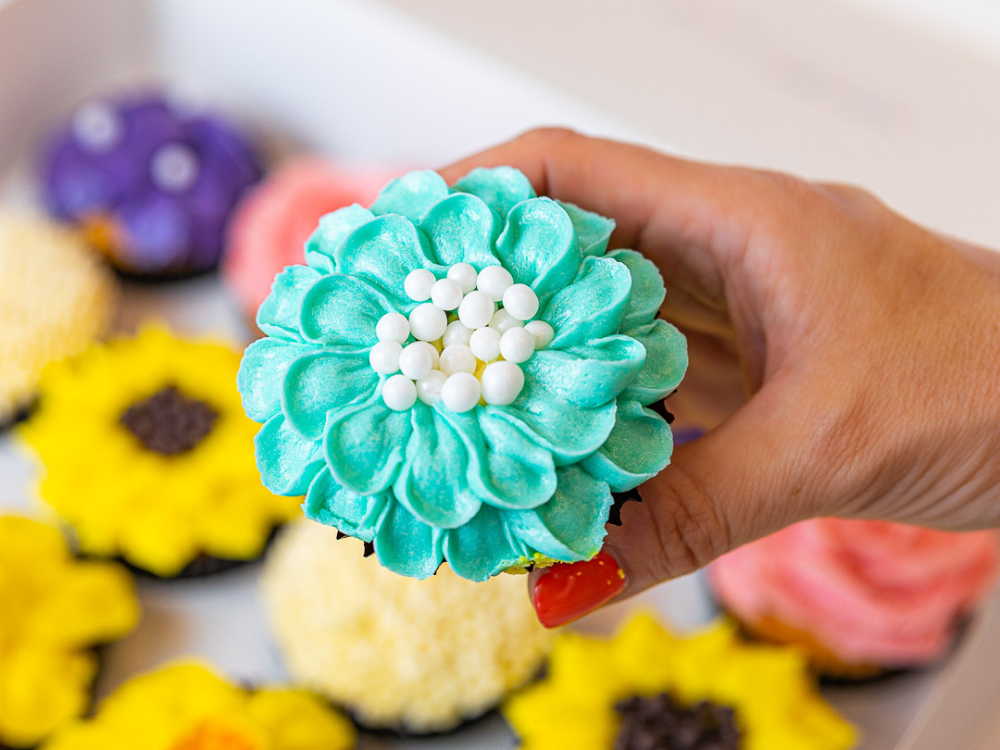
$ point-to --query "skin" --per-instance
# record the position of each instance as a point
(846, 359)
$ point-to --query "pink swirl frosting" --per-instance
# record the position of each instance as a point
(271, 226)
(870, 592)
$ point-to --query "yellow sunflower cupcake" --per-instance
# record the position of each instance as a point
(646, 688)
(186, 706)
(148, 456)
(53, 611)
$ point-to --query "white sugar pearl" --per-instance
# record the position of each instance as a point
(415, 361)
(431, 351)
(456, 333)
(542, 332)
(485, 344)
(517, 345)
(384, 357)
(460, 392)
(503, 321)
(399, 393)
(393, 326)
(476, 310)
(494, 281)
(429, 388)
(465, 275)
(417, 285)
(97, 127)
(520, 301)
(446, 294)
(502, 382)
(174, 168)
(428, 322)
(457, 358)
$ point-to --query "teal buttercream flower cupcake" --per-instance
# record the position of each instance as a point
(463, 374)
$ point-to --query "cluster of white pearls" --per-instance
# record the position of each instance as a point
(474, 356)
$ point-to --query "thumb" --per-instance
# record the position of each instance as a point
(744, 480)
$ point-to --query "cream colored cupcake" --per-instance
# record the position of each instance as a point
(399, 653)
(56, 298)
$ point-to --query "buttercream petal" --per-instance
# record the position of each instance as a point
(406, 545)
(278, 315)
(648, 291)
(411, 195)
(482, 547)
(637, 449)
(342, 311)
(432, 481)
(333, 230)
(501, 188)
(261, 373)
(593, 306)
(383, 252)
(588, 375)
(570, 526)
(318, 383)
(364, 445)
(287, 462)
(512, 471)
(462, 229)
(539, 247)
(592, 230)
(666, 362)
(330, 503)
(569, 431)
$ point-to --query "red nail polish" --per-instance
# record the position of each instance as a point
(567, 592)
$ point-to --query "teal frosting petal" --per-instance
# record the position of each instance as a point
(593, 306)
(411, 195)
(666, 362)
(483, 547)
(593, 230)
(365, 443)
(512, 470)
(406, 545)
(333, 230)
(318, 383)
(278, 315)
(383, 252)
(461, 229)
(432, 481)
(261, 374)
(287, 461)
(570, 526)
(342, 311)
(330, 503)
(637, 449)
(588, 375)
(539, 247)
(648, 291)
(501, 188)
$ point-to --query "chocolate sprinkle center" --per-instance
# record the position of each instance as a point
(659, 723)
(168, 422)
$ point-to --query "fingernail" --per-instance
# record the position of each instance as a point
(567, 592)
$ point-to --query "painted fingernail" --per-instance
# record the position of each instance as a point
(567, 592)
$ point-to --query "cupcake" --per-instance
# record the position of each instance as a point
(861, 597)
(647, 688)
(272, 223)
(56, 299)
(186, 706)
(152, 184)
(54, 611)
(397, 653)
(462, 374)
(147, 455)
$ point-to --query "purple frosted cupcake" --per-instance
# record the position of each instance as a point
(152, 184)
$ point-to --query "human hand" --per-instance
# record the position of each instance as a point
(846, 360)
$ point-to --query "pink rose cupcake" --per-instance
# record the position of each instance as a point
(862, 597)
(273, 222)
